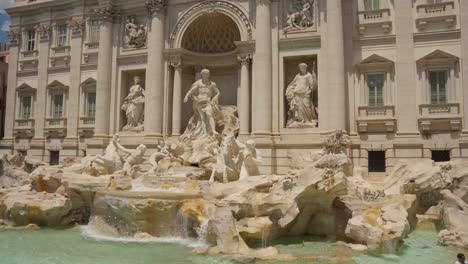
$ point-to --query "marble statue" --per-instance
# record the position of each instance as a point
(134, 106)
(166, 158)
(251, 160)
(132, 157)
(205, 96)
(301, 15)
(236, 160)
(135, 35)
(300, 95)
(108, 163)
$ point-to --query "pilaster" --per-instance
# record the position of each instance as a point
(154, 106)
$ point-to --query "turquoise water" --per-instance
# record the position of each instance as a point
(48, 246)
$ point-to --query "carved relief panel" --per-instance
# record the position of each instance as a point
(299, 15)
(135, 33)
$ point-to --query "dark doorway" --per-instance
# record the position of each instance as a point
(376, 161)
(54, 158)
(441, 155)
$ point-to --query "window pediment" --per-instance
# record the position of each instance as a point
(57, 86)
(375, 62)
(89, 84)
(438, 57)
(25, 88)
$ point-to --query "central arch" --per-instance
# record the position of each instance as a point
(231, 10)
(211, 33)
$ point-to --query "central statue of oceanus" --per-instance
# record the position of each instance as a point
(209, 118)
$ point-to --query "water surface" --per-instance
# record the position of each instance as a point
(71, 246)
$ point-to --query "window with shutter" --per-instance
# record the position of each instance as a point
(57, 106)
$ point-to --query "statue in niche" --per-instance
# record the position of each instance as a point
(134, 106)
(209, 118)
(209, 122)
(300, 95)
(135, 35)
(301, 15)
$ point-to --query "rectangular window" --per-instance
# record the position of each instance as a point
(93, 31)
(25, 107)
(375, 83)
(30, 40)
(61, 35)
(91, 105)
(54, 158)
(57, 104)
(372, 5)
(432, 2)
(441, 155)
(438, 83)
(376, 161)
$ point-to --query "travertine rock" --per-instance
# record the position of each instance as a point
(381, 224)
(46, 179)
(23, 208)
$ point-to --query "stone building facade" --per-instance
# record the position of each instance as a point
(392, 73)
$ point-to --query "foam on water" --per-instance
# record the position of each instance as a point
(89, 232)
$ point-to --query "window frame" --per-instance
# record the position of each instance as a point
(30, 43)
(53, 105)
(384, 82)
(430, 70)
(92, 37)
(374, 5)
(61, 35)
(87, 104)
(21, 112)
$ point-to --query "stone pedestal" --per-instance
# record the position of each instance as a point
(262, 91)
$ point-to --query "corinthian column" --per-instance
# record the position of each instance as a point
(244, 95)
(104, 75)
(335, 65)
(262, 92)
(154, 105)
(177, 97)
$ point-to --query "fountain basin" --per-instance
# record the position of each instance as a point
(126, 213)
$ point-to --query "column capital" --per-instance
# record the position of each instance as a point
(14, 36)
(245, 58)
(176, 62)
(157, 7)
(107, 13)
(44, 30)
(77, 27)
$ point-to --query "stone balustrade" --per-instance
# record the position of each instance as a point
(444, 12)
(440, 117)
(380, 19)
(376, 118)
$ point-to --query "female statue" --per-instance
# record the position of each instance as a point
(299, 94)
(134, 105)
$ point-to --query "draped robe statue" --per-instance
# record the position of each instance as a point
(302, 111)
(204, 94)
(134, 106)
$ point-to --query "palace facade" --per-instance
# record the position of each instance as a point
(393, 73)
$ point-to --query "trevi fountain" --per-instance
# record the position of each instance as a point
(202, 199)
(202, 196)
